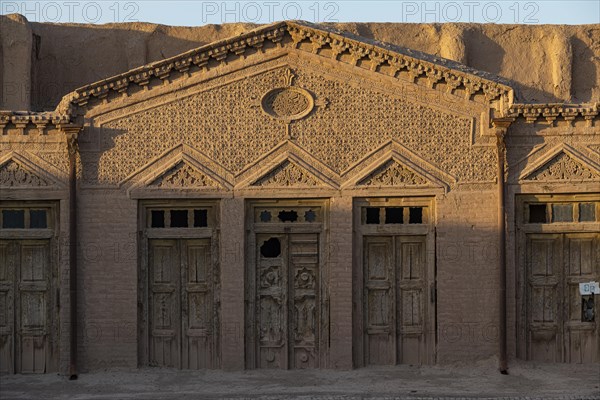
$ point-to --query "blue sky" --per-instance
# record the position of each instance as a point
(193, 13)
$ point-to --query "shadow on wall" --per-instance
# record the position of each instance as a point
(517, 149)
(584, 71)
(93, 143)
(483, 53)
(62, 64)
(2, 100)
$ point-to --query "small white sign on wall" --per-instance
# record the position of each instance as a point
(587, 288)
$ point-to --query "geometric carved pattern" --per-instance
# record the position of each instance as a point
(287, 103)
(562, 167)
(287, 174)
(357, 120)
(183, 176)
(393, 173)
(13, 174)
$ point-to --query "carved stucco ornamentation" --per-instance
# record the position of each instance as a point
(14, 175)
(393, 173)
(287, 175)
(183, 176)
(361, 119)
(563, 168)
(287, 104)
(57, 159)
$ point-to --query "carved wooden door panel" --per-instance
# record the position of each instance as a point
(287, 300)
(305, 301)
(395, 288)
(181, 303)
(581, 330)
(544, 297)
(25, 308)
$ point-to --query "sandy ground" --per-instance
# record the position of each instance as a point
(526, 380)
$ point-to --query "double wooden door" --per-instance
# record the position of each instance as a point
(398, 301)
(561, 324)
(28, 311)
(286, 303)
(182, 315)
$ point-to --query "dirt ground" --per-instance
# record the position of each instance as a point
(482, 380)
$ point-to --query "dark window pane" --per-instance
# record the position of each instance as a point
(372, 215)
(13, 219)
(179, 219)
(265, 216)
(158, 219)
(271, 248)
(200, 218)
(562, 212)
(37, 219)
(394, 215)
(537, 213)
(310, 216)
(587, 212)
(415, 215)
(288, 216)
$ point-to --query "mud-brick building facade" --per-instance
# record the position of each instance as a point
(298, 197)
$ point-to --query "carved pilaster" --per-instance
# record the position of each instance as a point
(71, 133)
(500, 128)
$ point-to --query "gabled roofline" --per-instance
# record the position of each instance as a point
(416, 64)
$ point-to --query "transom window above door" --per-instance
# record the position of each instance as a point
(395, 215)
(288, 214)
(25, 218)
(561, 212)
(179, 217)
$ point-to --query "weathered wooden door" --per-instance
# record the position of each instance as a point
(582, 327)
(558, 328)
(544, 265)
(395, 299)
(288, 307)
(26, 311)
(182, 324)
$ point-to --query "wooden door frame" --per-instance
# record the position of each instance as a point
(360, 231)
(523, 229)
(252, 229)
(51, 233)
(145, 234)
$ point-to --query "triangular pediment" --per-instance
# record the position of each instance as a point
(287, 166)
(298, 37)
(19, 171)
(288, 174)
(393, 173)
(395, 166)
(182, 176)
(181, 168)
(562, 163)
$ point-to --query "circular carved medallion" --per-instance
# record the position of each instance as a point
(289, 103)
